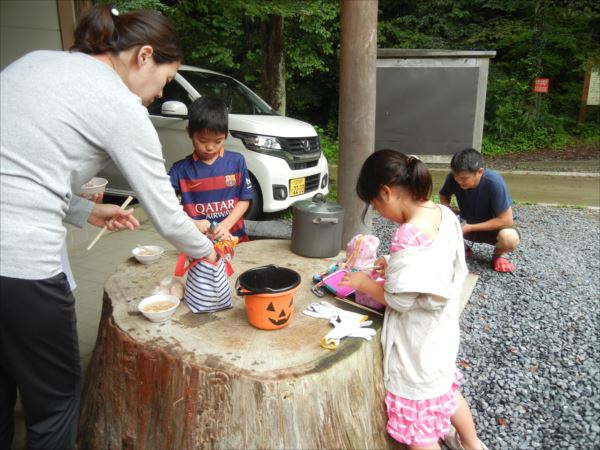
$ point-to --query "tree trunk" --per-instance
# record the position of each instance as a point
(212, 381)
(273, 74)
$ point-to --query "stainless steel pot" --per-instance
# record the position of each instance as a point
(317, 227)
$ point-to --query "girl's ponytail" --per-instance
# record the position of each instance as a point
(419, 178)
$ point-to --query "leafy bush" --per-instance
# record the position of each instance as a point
(329, 145)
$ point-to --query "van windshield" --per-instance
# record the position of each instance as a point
(237, 97)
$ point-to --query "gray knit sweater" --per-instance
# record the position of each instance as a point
(63, 117)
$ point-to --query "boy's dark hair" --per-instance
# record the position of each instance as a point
(467, 160)
(393, 168)
(206, 113)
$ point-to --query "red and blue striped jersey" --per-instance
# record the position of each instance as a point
(211, 191)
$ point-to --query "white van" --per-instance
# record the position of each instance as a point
(283, 155)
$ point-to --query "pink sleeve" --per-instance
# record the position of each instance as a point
(408, 235)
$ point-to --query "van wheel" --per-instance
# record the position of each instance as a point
(255, 211)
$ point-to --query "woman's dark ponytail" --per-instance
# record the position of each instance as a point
(100, 31)
(95, 32)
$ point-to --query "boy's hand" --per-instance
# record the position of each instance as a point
(220, 231)
(203, 225)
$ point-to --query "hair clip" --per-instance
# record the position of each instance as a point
(114, 11)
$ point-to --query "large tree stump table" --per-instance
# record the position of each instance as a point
(203, 381)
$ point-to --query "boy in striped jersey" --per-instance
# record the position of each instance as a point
(214, 184)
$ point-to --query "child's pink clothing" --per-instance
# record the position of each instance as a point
(408, 235)
(420, 334)
(421, 422)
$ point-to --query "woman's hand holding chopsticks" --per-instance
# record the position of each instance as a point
(113, 217)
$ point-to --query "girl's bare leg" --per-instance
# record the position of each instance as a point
(463, 422)
(431, 447)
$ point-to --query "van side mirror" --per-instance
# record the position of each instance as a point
(173, 108)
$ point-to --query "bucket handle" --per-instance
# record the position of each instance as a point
(240, 291)
(320, 220)
(238, 288)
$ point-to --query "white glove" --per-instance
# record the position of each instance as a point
(347, 324)
(322, 310)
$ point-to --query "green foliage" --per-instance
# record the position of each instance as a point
(588, 133)
(135, 5)
(565, 43)
(329, 145)
(559, 43)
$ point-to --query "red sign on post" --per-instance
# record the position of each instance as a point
(541, 85)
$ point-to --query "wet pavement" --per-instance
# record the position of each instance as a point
(558, 188)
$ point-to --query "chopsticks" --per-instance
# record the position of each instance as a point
(103, 230)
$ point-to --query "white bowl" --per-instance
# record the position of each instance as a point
(147, 254)
(94, 186)
(159, 300)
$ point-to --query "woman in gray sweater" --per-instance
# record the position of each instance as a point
(64, 116)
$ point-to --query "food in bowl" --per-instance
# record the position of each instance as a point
(94, 186)
(147, 254)
(159, 307)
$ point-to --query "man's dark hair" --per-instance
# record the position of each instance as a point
(207, 114)
(467, 160)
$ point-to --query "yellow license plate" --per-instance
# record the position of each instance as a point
(297, 186)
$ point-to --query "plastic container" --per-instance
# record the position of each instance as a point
(94, 186)
(269, 295)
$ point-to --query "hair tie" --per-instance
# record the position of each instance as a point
(114, 11)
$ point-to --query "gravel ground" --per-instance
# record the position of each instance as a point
(529, 345)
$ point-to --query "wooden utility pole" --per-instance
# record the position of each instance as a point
(358, 55)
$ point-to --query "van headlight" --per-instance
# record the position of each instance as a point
(258, 143)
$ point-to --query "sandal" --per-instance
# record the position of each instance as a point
(452, 440)
(502, 265)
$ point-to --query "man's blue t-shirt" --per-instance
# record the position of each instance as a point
(211, 191)
(483, 202)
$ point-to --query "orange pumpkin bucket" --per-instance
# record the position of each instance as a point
(269, 294)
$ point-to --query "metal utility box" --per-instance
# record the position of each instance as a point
(430, 102)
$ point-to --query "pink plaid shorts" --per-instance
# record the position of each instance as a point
(421, 422)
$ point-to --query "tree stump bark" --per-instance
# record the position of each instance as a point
(212, 381)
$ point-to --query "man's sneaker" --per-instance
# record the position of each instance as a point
(452, 440)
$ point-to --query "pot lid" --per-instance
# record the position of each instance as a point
(318, 204)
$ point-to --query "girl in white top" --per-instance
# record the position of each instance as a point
(423, 280)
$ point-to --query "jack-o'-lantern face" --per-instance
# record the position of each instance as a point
(277, 311)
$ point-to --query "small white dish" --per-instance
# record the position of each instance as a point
(94, 186)
(147, 254)
(159, 307)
